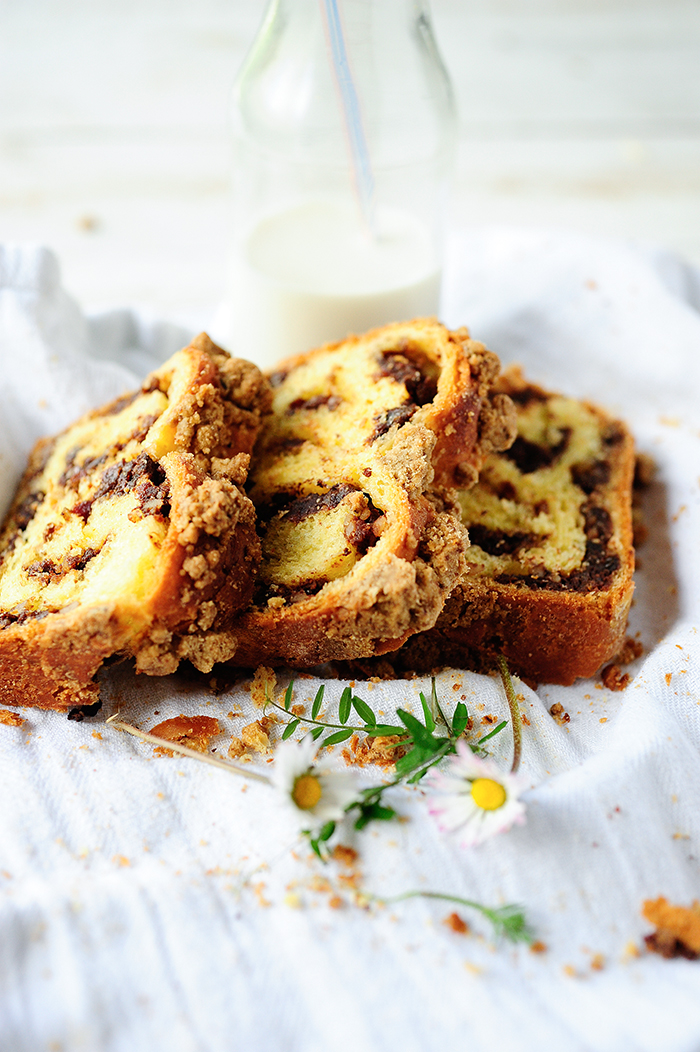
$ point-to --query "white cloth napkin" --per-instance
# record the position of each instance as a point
(154, 903)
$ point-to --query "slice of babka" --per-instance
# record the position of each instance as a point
(549, 568)
(361, 540)
(130, 533)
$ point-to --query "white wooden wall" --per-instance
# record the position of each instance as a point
(114, 150)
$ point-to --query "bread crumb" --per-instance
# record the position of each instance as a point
(193, 731)
(598, 962)
(96, 734)
(559, 714)
(677, 928)
(538, 946)
(455, 923)
(383, 751)
(10, 719)
(335, 902)
(346, 856)
(236, 748)
(259, 890)
(298, 710)
(255, 736)
(631, 650)
(263, 685)
(668, 677)
(613, 677)
(293, 900)
(121, 860)
(569, 970)
(350, 880)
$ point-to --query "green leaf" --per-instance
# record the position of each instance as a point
(383, 730)
(288, 695)
(339, 736)
(318, 701)
(316, 847)
(326, 831)
(363, 711)
(429, 721)
(317, 732)
(496, 730)
(415, 778)
(420, 734)
(345, 705)
(460, 719)
(289, 729)
(374, 813)
(415, 758)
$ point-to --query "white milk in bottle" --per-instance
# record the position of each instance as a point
(344, 132)
(314, 274)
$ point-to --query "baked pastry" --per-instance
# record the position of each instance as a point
(130, 533)
(549, 578)
(360, 536)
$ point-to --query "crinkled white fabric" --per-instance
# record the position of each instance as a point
(151, 903)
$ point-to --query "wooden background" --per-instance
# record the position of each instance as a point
(114, 147)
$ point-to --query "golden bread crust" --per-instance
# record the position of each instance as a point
(130, 533)
(361, 543)
(549, 579)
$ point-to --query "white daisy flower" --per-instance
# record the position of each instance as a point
(313, 793)
(476, 799)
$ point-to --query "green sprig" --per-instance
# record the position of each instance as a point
(509, 922)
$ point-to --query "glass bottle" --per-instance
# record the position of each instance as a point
(344, 136)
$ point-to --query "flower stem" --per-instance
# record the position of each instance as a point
(184, 750)
(515, 716)
(317, 723)
(508, 921)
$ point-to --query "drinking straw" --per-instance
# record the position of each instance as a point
(359, 154)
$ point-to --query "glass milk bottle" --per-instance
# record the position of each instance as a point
(344, 134)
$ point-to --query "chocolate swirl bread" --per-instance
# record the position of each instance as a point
(549, 578)
(130, 533)
(361, 540)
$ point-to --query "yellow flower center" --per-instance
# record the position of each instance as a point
(306, 792)
(487, 794)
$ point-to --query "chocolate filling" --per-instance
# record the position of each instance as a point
(529, 456)
(311, 504)
(597, 569)
(359, 532)
(27, 510)
(154, 385)
(590, 475)
(73, 473)
(421, 388)
(79, 560)
(527, 396)
(48, 571)
(330, 401)
(144, 476)
(121, 403)
(45, 569)
(278, 378)
(384, 421)
(497, 542)
(20, 617)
